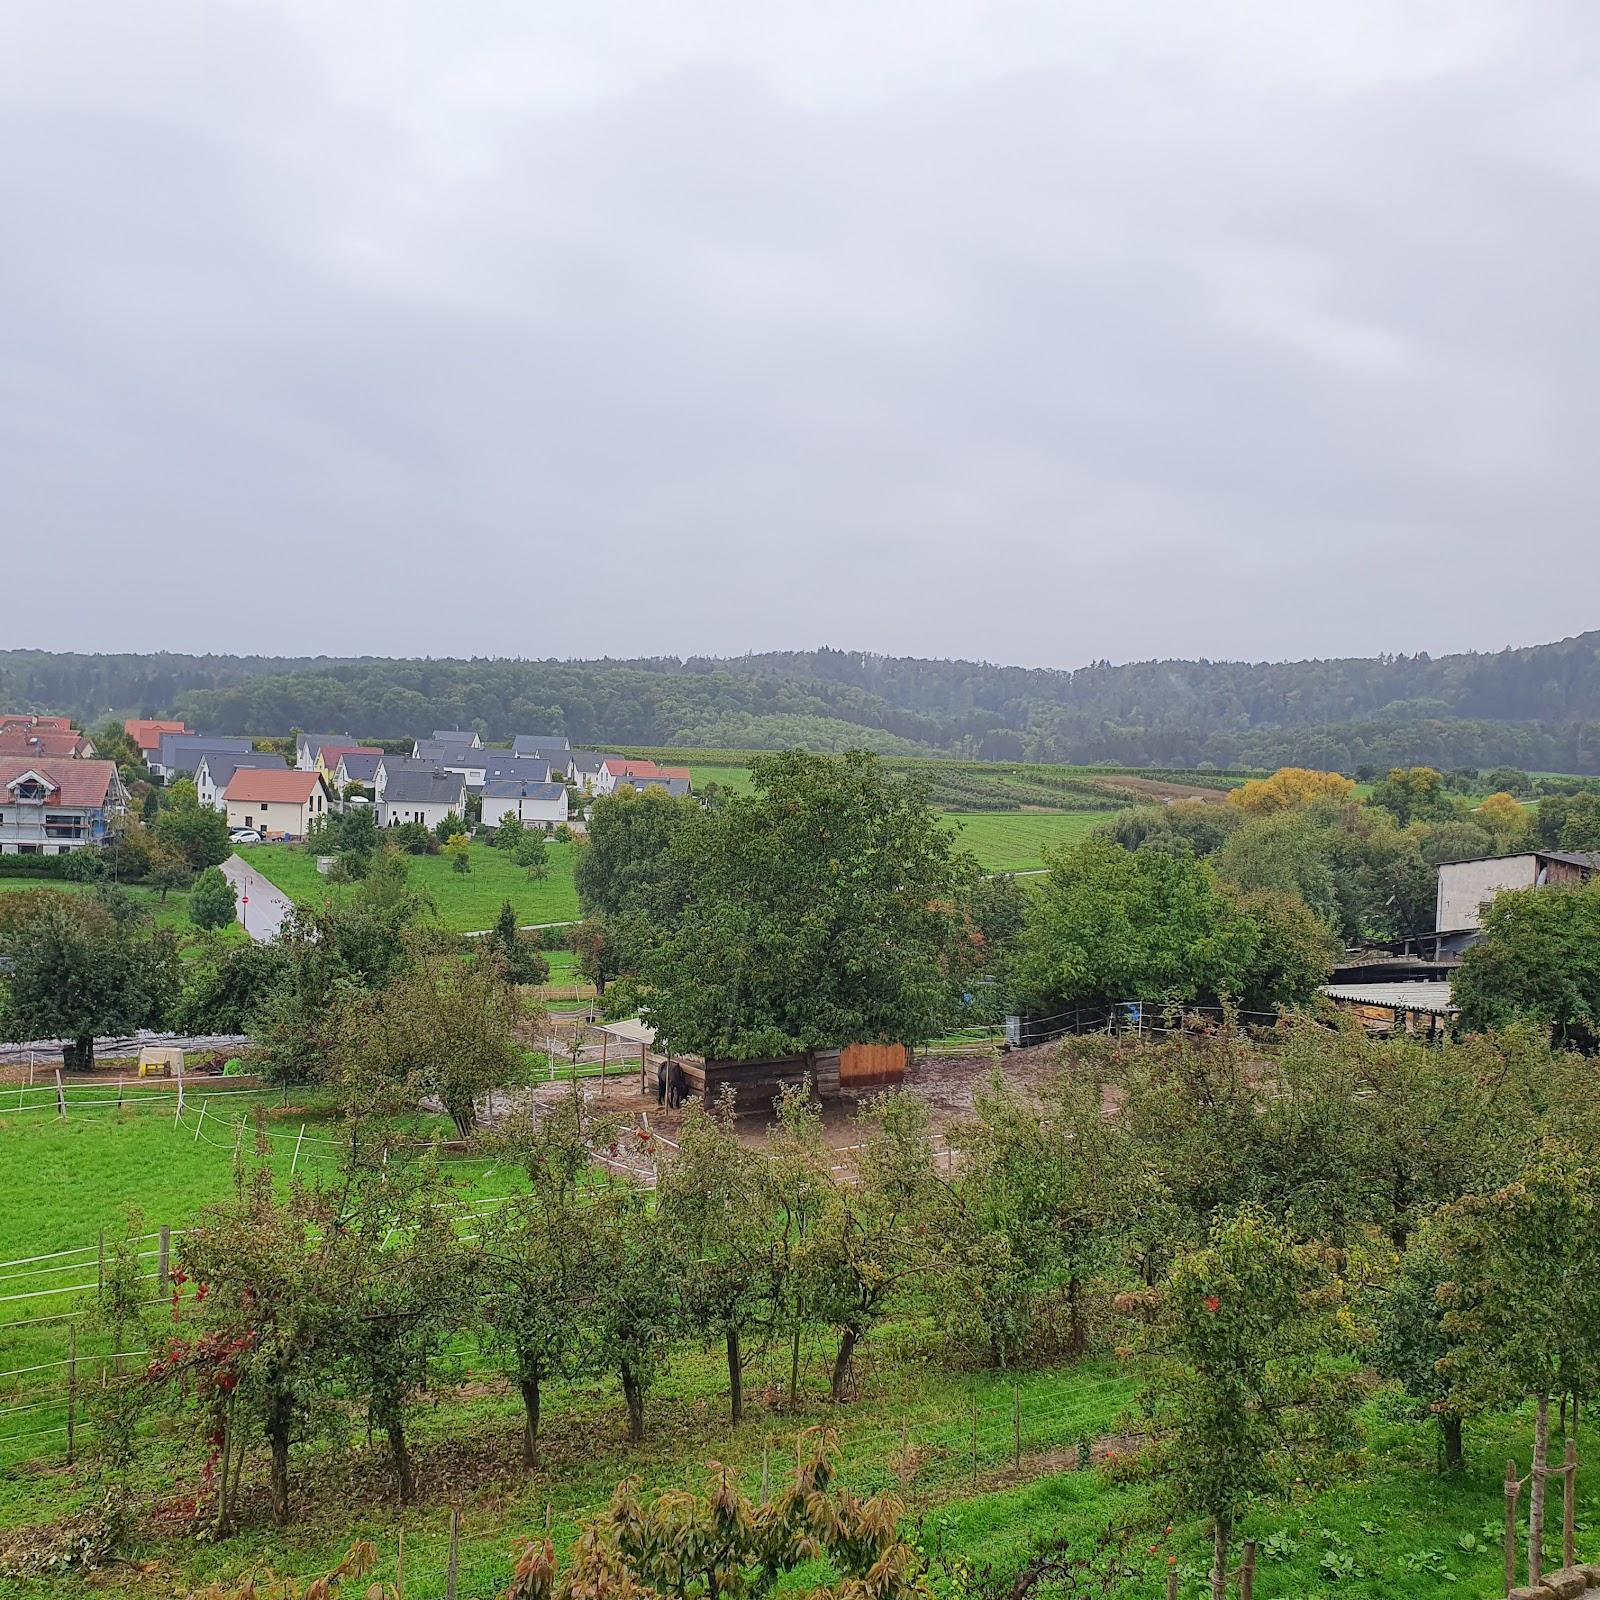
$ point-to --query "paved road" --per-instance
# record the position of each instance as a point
(268, 906)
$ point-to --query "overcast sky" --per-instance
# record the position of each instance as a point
(1033, 332)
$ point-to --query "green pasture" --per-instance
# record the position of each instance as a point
(467, 901)
(1015, 841)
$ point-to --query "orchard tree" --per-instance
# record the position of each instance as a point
(509, 834)
(213, 902)
(518, 954)
(824, 908)
(1411, 1345)
(628, 868)
(444, 1030)
(166, 869)
(1523, 1299)
(77, 972)
(714, 1220)
(458, 848)
(1242, 1387)
(532, 853)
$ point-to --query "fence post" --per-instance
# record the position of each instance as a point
(164, 1258)
(1247, 1571)
(450, 1570)
(974, 1438)
(120, 1081)
(298, 1137)
(1569, 1495)
(100, 1266)
(1513, 1493)
(766, 1453)
(61, 1096)
(400, 1567)
(72, 1391)
(1016, 1421)
(1172, 1578)
(201, 1122)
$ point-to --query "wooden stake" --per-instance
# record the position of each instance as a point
(1172, 1583)
(120, 1083)
(450, 1569)
(974, 1439)
(164, 1258)
(1513, 1494)
(1247, 1571)
(1016, 1421)
(298, 1137)
(61, 1096)
(100, 1266)
(1569, 1496)
(400, 1567)
(765, 1464)
(72, 1392)
(202, 1120)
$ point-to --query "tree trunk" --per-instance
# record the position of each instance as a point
(794, 1370)
(1221, 1533)
(1453, 1456)
(735, 1376)
(841, 1364)
(278, 1434)
(77, 1055)
(1077, 1331)
(396, 1429)
(634, 1395)
(530, 1433)
(1541, 1457)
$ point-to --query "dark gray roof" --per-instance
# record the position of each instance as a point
(456, 753)
(420, 783)
(182, 751)
(515, 789)
(585, 760)
(677, 786)
(360, 766)
(222, 766)
(317, 740)
(454, 735)
(530, 744)
(1573, 858)
(500, 764)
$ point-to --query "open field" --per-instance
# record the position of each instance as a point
(1015, 841)
(1395, 1527)
(467, 901)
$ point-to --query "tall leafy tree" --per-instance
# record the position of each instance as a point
(823, 910)
(213, 902)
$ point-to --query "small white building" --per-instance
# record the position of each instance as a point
(534, 805)
(1467, 888)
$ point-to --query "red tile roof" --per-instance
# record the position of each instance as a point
(16, 741)
(146, 731)
(77, 783)
(26, 719)
(264, 784)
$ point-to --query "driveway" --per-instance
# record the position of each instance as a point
(262, 907)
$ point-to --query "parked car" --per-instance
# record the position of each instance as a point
(245, 836)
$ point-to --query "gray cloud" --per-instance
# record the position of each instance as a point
(1035, 332)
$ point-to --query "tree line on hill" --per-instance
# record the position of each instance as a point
(1536, 707)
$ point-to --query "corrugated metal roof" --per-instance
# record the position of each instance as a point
(1417, 996)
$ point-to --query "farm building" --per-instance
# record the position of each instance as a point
(1421, 1008)
(757, 1085)
(1466, 888)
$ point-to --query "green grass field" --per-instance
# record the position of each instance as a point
(467, 902)
(1394, 1528)
(1015, 841)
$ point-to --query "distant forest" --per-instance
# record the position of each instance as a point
(1537, 708)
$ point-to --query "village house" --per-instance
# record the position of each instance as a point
(540, 744)
(282, 803)
(359, 765)
(215, 769)
(534, 805)
(330, 755)
(417, 792)
(44, 736)
(447, 736)
(615, 770)
(146, 733)
(179, 753)
(308, 747)
(583, 768)
(50, 806)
